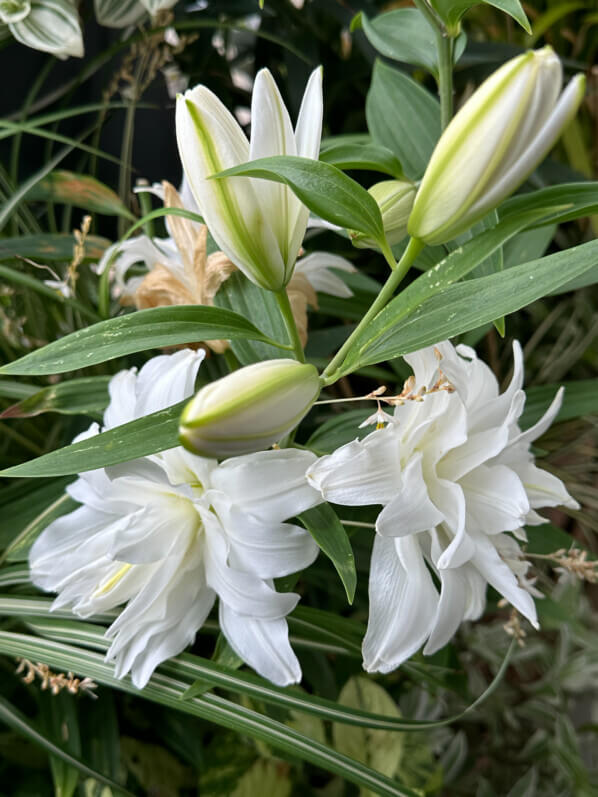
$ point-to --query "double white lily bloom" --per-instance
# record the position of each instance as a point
(453, 473)
(259, 225)
(495, 141)
(168, 533)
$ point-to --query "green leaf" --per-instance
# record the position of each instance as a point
(378, 749)
(582, 199)
(324, 526)
(581, 398)
(58, 246)
(138, 331)
(255, 304)
(456, 265)
(201, 672)
(405, 35)
(403, 117)
(323, 188)
(10, 388)
(80, 190)
(451, 11)
(167, 691)
(22, 725)
(338, 430)
(139, 438)
(59, 721)
(77, 397)
(469, 304)
(367, 156)
(546, 539)
(24, 502)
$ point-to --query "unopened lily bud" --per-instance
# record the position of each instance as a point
(495, 141)
(250, 409)
(395, 200)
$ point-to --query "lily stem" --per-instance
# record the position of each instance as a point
(287, 314)
(445, 77)
(333, 372)
(444, 47)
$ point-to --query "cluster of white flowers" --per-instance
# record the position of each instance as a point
(168, 533)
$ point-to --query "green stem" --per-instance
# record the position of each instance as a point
(444, 47)
(331, 373)
(445, 77)
(287, 315)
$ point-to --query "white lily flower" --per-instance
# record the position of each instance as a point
(259, 224)
(493, 143)
(168, 533)
(51, 26)
(453, 473)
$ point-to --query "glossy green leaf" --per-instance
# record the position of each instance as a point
(13, 389)
(469, 304)
(451, 11)
(168, 690)
(405, 35)
(403, 117)
(582, 199)
(74, 397)
(456, 265)
(323, 188)
(257, 305)
(80, 190)
(368, 156)
(139, 438)
(139, 331)
(324, 526)
(48, 246)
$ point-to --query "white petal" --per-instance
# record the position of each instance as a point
(403, 603)
(451, 609)
(272, 134)
(316, 267)
(264, 645)
(361, 472)
(544, 489)
(269, 484)
(244, 592)
(308, 131)
(541, 426)
(265, 549)
(121, 408)
(166, 380)
(410, 510)
(501, 577)
(496, 499)
(479, 448)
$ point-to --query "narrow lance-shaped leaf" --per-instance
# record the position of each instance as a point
(368, 156)
(81, 190)
(323, 188)
(154, 328)
(139, 438)
(471, 304)
(74, 397)
(167, 690)
(323, 524)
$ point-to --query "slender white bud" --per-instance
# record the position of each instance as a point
(250, 409)
(258, 224)
(496, 140)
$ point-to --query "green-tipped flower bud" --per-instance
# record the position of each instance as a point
(250, 409)
(395, 200)
(495, 141)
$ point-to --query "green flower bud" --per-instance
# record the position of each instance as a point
(495, 141)
(250, 409)
(395, 200)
